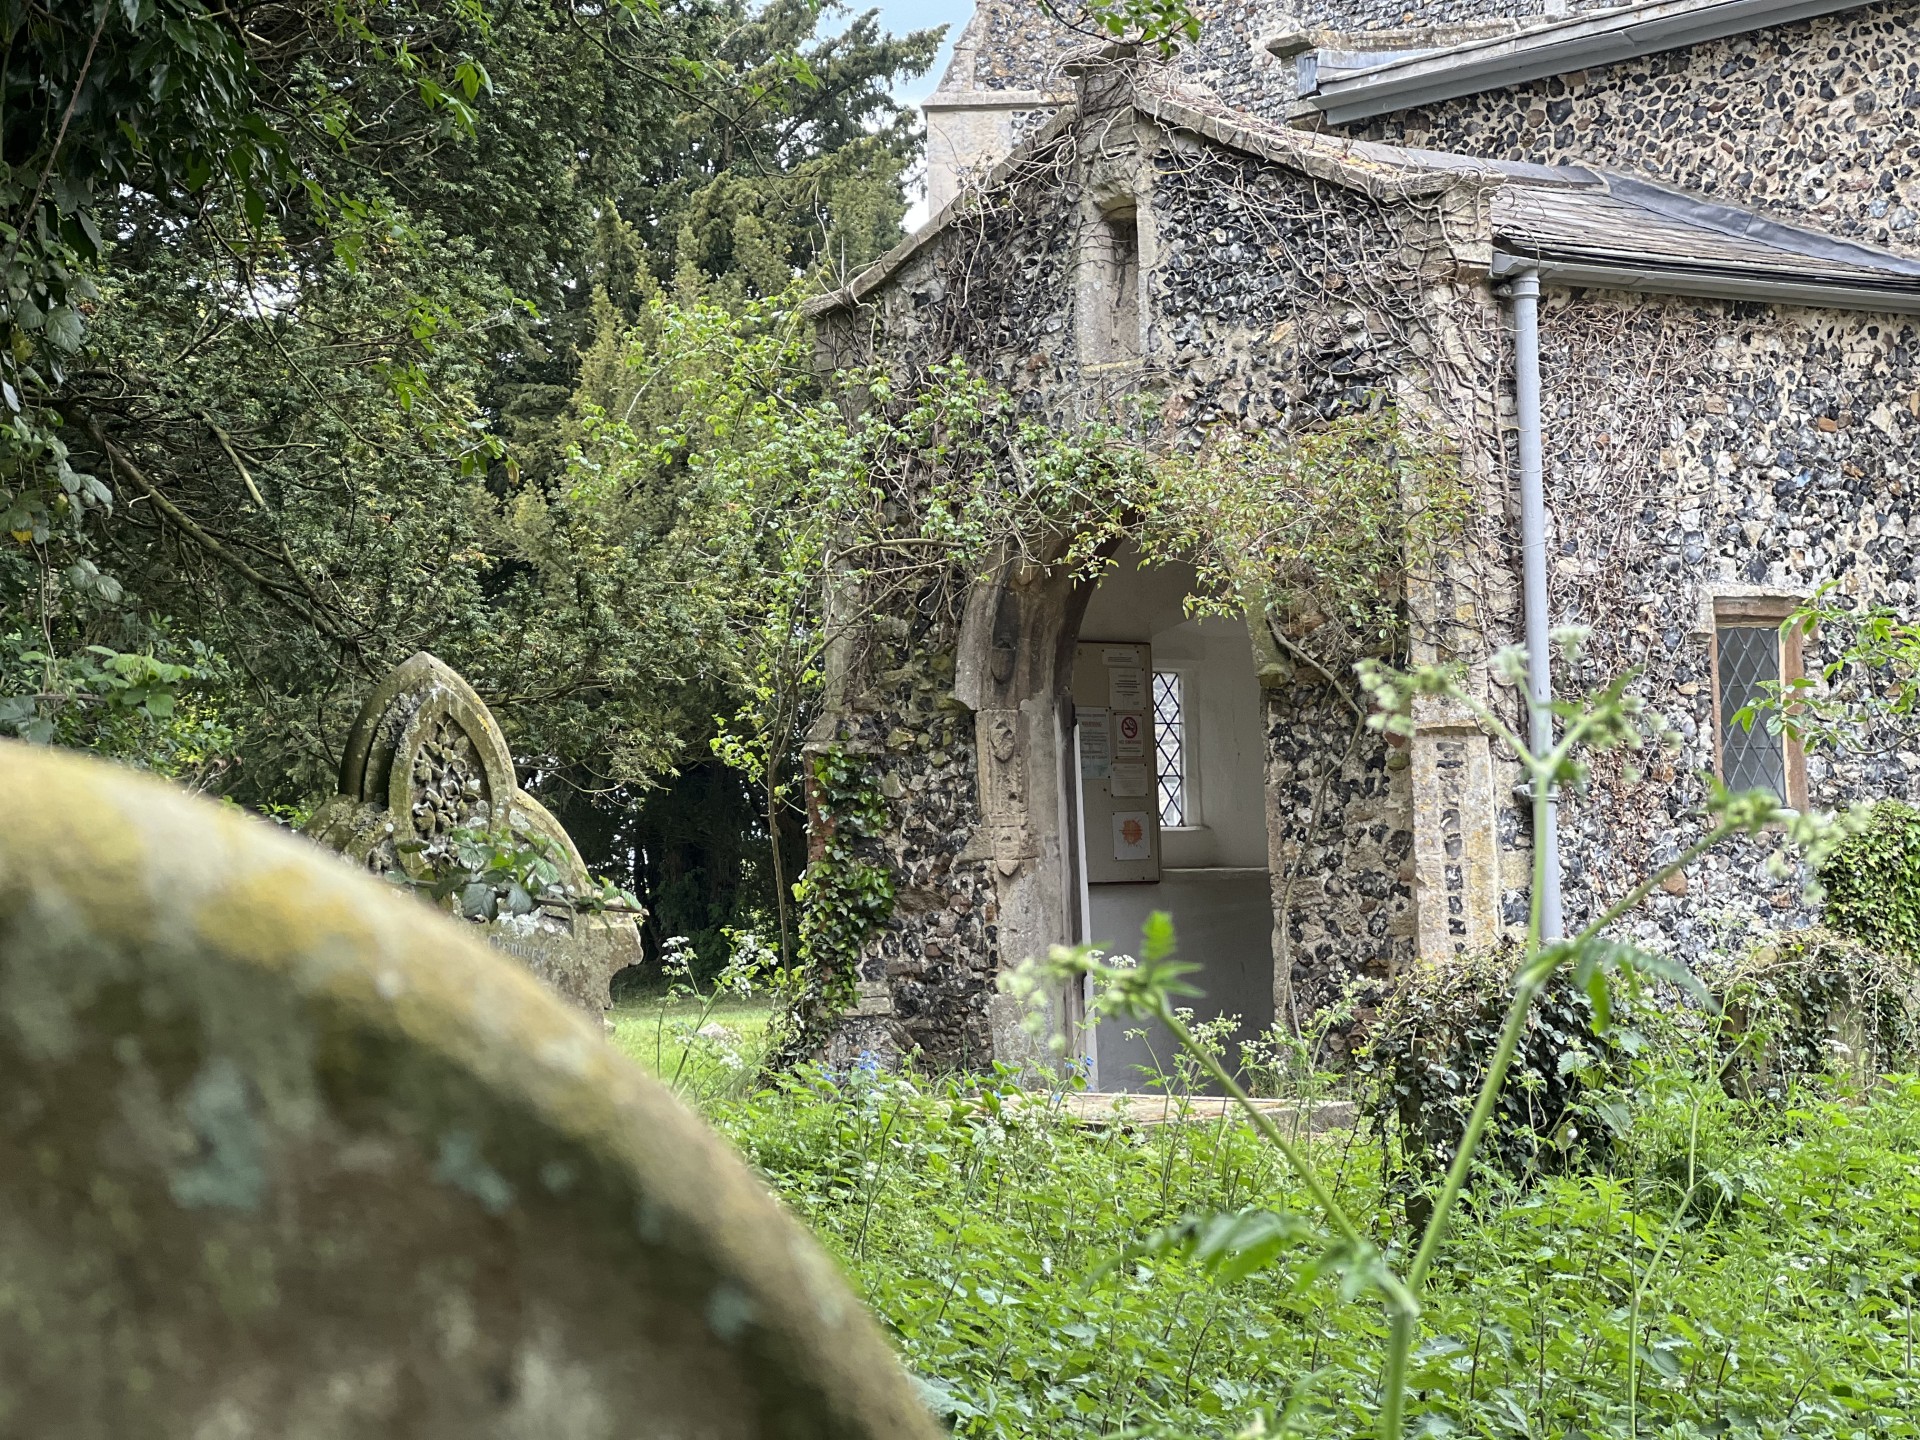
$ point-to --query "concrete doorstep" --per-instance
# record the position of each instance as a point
(1128, 1108)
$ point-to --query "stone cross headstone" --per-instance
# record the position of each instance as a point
(425, 759)
(286, 1153)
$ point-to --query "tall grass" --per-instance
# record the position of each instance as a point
(709, 1048)
(1728, 1270)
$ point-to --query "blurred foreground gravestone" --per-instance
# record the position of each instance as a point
(426, 773)
(284, 1153)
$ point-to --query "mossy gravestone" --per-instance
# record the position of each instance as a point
(426, 760)
(286, 1153)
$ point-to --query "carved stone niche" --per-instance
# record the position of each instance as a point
(426, 758)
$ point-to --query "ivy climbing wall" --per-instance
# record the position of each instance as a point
(1278, 294)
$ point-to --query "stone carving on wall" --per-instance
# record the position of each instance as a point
(284, 1153)
(426, 758)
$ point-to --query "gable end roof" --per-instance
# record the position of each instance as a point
(1384, 172)
(1570, 224)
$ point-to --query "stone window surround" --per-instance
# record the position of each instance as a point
(1725, 604)
(1111, 321)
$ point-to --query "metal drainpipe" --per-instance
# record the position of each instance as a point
(1524, 289)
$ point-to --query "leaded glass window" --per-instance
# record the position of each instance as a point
(1170, 746)
(1749, 659)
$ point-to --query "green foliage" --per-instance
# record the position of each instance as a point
(1427, 1053)
(1727, 1270)
(708, 1039)
(844, 895)
(163, 715)
(1591, 962)
(789, 155)
(486, 873)
(1872, 882)
(1161, 25)
(1866, 694)
(1813, 1006)
(701, 860)
(715, 1046)
(325, 264)
(1320, 529)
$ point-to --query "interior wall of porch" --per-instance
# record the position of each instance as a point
(1214, 876)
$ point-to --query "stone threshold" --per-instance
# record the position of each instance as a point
(1129, 1108)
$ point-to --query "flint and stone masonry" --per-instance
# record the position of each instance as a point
(1233, 334)
(1702, 456)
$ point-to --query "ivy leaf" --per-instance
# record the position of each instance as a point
(65, 329)
(477, 900)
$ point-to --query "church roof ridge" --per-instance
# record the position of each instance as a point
(1554, 47)
(1572, 224)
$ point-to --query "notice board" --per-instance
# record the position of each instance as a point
(1113, 712)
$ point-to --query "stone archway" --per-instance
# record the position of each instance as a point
(1013, 663)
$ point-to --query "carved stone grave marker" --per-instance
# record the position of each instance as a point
(426, 758)
(285, 1153)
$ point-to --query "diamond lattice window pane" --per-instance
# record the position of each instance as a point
(1753, 759)
(1170, 747)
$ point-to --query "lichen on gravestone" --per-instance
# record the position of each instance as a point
(286, 1153)
(426, 762)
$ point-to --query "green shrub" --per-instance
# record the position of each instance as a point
(1426, 1057)
(1873, 882)
(1813, 1005)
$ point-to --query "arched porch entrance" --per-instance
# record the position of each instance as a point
(1121, 748)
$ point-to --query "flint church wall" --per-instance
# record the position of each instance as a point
(1271, 298)
(1813, 122)
(1736, 450)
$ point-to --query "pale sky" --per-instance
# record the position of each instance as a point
(901, 16)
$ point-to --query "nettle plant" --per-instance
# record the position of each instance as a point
(1233, 1244)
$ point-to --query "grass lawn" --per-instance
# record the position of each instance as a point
(664, 1035)
(1728, 1270)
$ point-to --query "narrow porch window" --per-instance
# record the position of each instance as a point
(1170, 746)
(1107, 306)
(1123, 251)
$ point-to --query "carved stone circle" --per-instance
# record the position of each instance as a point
(425, 758)
(284, 1152)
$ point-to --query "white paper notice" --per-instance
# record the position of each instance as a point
(1120, 654)
(1127, 689)
(1129, 778)
(1132, 835)
(1096, 742)
(1130, 737)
